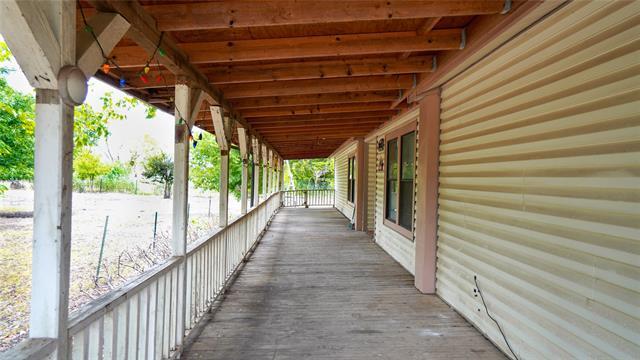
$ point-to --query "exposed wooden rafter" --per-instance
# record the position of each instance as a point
(234, 14)
(304, 47)
(291, 72)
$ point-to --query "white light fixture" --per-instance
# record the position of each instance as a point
(72, 85)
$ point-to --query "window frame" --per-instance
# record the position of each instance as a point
(397, 135)
(351, 183)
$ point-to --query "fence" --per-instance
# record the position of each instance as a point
(150, 317)
(306, 198)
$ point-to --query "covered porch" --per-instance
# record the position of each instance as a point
(314, 289)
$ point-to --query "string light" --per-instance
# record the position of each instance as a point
(145, 70)
(106, 67)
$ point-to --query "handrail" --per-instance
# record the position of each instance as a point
(308, 197)
(151, 316)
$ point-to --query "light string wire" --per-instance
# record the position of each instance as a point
(486, 309)
(157, 50)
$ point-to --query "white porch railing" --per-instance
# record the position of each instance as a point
(306, 198)
(144, 319)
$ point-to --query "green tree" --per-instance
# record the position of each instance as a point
(158, 168)
(309, 173)
(204, 170)
(16, 133)
(17, 124)
(88, 166)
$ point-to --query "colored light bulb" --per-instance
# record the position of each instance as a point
(159, 78)
(146, 69)
(122, 82)
(195, 143)
(144, 78)
(106, 68)
(161, 52)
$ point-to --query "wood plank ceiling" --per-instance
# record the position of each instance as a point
(305, 75)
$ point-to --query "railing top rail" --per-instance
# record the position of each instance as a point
(292, 190)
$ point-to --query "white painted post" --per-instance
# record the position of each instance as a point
(42, 37)
(244, 142)
(281, 175)
(221, 126)
(52, 219)
(265, 167)
(181, 169)
(269, 171)
(183, 109)
(257, 158)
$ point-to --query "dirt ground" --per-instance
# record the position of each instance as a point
(130, 228)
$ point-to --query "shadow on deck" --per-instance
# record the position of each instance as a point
(316, 290)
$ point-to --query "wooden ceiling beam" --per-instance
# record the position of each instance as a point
(316, 109)
(234, 14)
(234, 74)
(318, 125)
(319, 136)
(315, 99)
(304, 47)
(353, 115)
(306, 87)
(335, 123)
(319, 130)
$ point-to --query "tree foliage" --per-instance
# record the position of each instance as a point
(17, 124)
(204, 166)
(158, 168)
(309, 174)
(16, 133)
(88, 166)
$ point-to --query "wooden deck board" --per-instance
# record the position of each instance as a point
(316, 290)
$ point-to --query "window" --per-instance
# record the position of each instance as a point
(351, 180)
(399, 181)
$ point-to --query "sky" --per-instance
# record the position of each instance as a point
(126, 135)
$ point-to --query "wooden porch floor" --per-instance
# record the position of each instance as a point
(316, 290)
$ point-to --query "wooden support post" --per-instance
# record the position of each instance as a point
(427, 193)
(42, 37)
(265, 156)
(183, 104)
(361, 171)
(52, 219)
(181, 169)
(221, 126)
(269, 172)
(281, 175)
(109, 28)
(245, 148)
(257, 158)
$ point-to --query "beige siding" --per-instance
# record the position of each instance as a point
(371, 186)
(540, 186)
(340, 183)
(399, 247)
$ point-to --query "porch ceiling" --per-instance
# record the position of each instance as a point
(305, 75)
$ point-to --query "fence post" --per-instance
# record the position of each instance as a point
(104, 236)
(306, 198)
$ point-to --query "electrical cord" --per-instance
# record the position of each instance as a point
(486, 309)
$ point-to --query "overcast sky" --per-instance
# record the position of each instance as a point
(126, 135)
